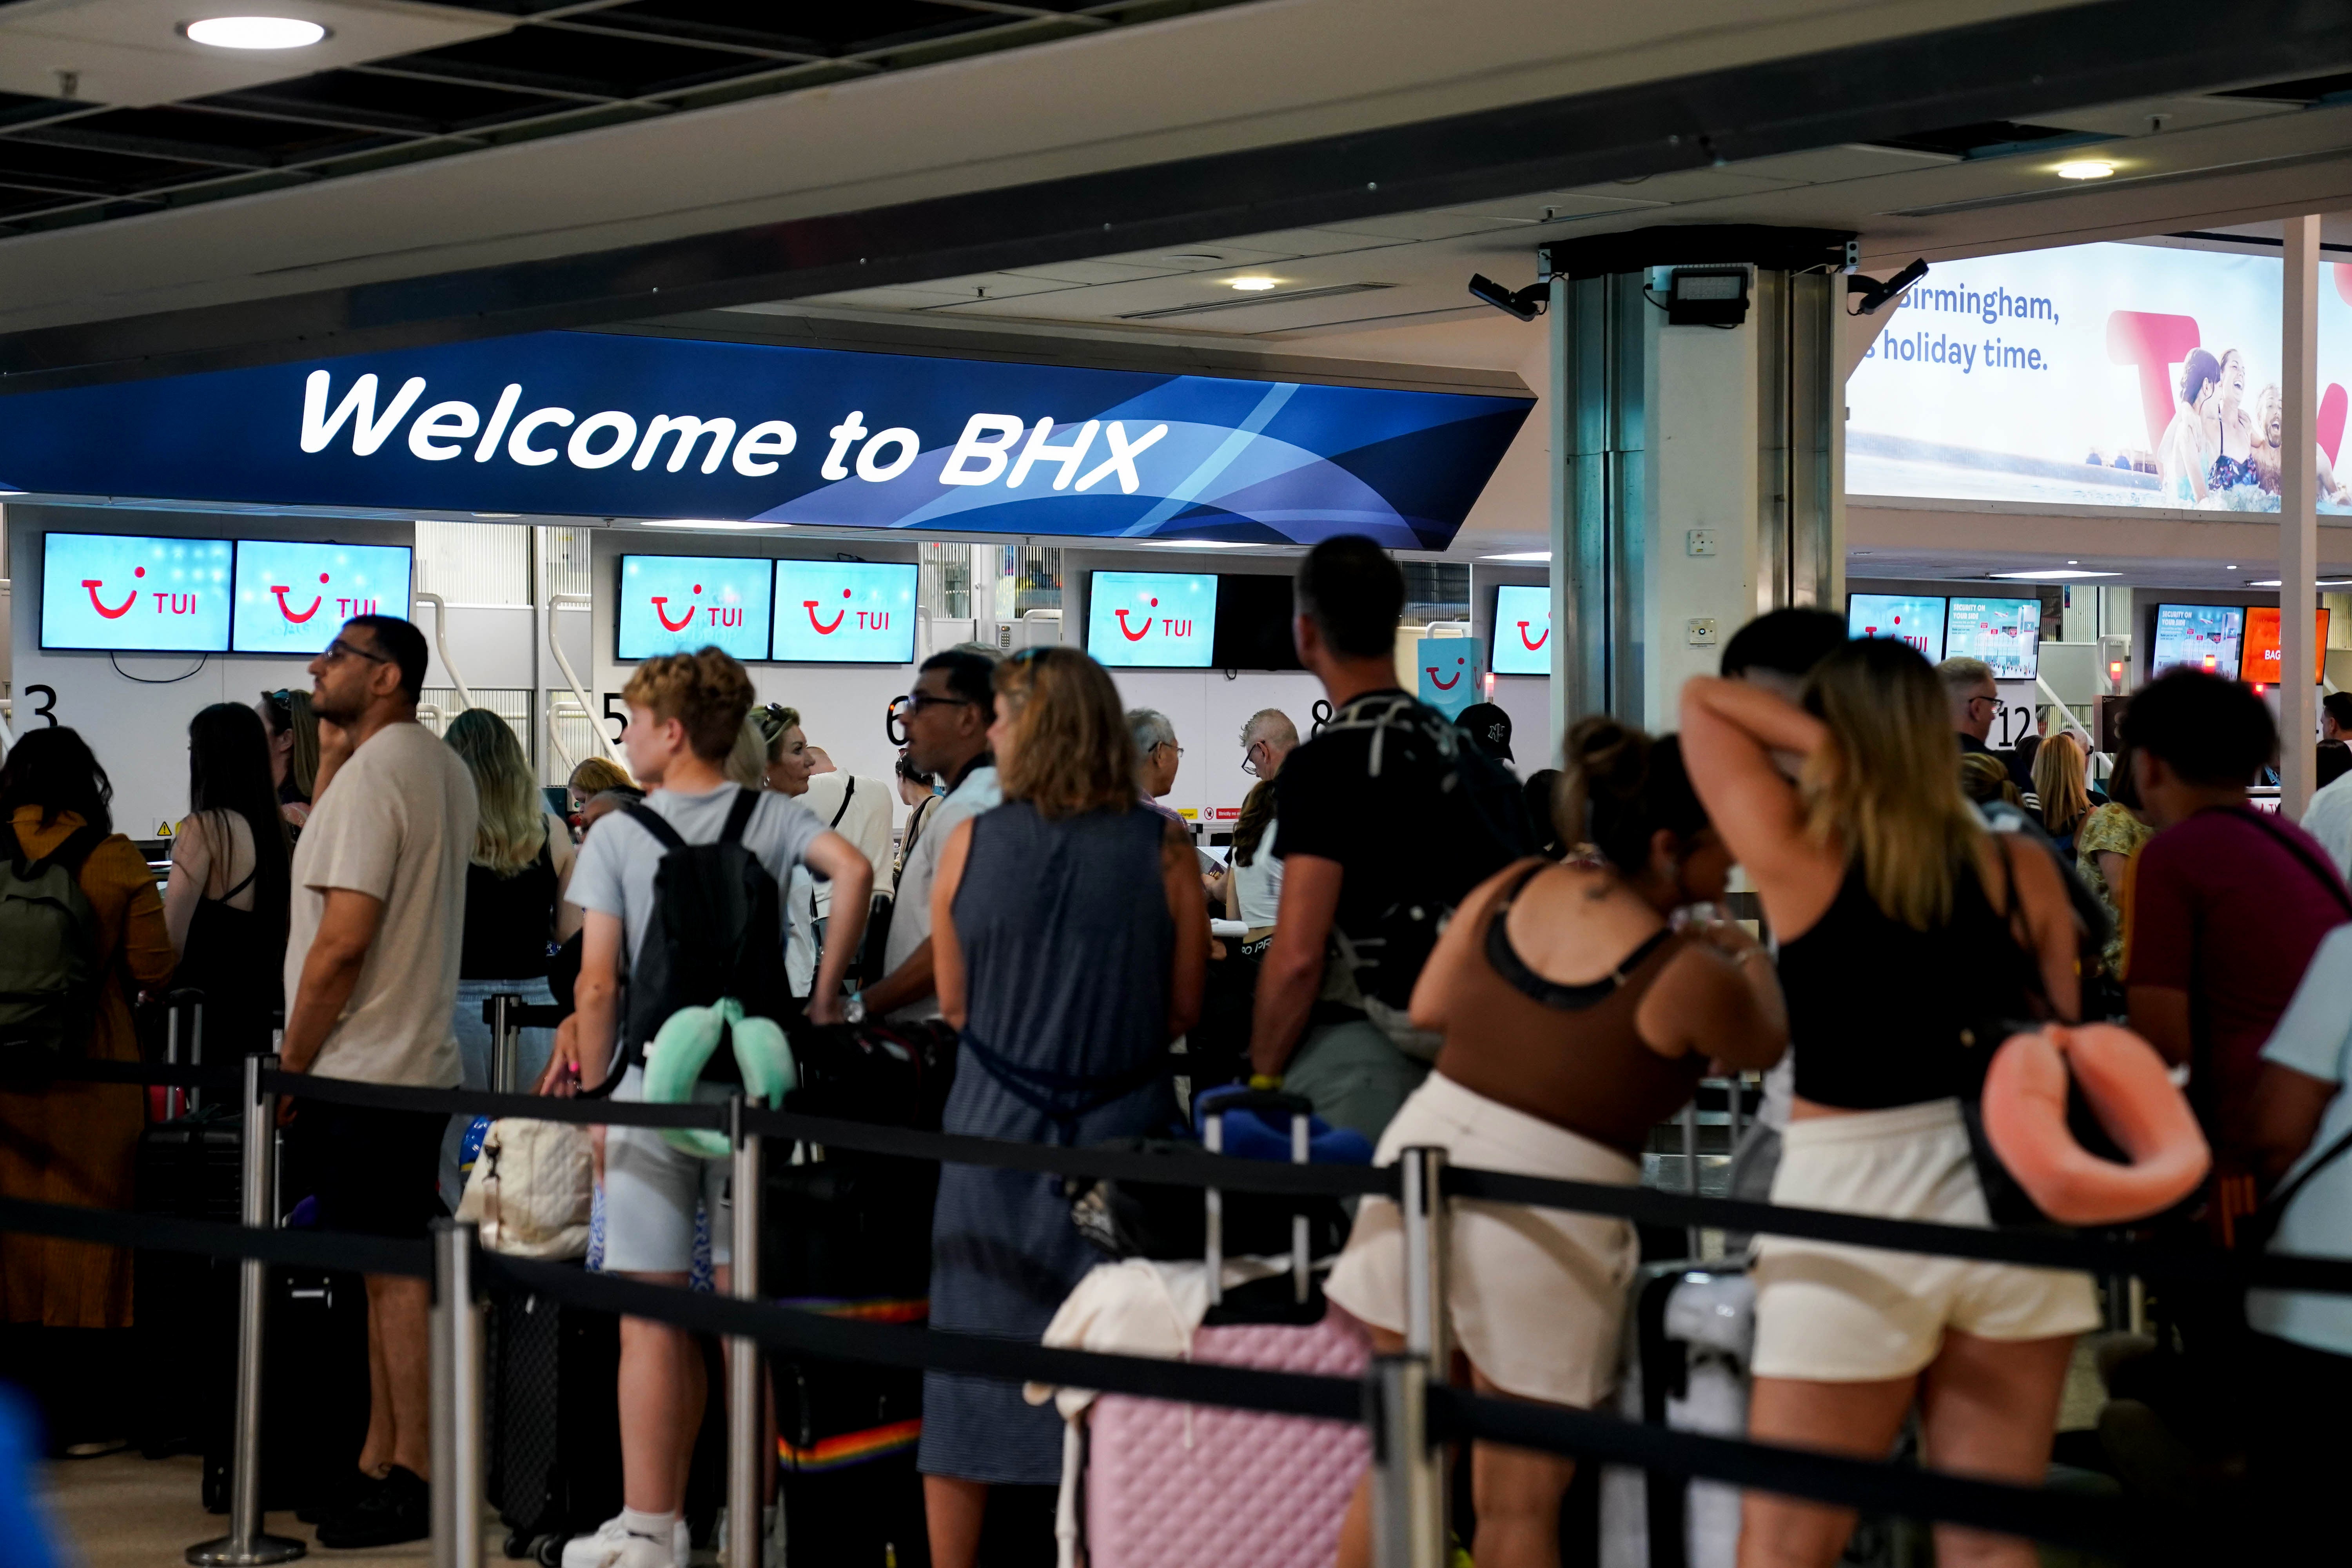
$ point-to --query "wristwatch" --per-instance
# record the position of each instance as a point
(854, 1010)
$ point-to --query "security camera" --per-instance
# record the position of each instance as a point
(1874, 295)
(1526, 304)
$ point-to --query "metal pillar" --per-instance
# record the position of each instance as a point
(1212, 1215)
(1422, 1174)
(1408, 1477)
(1601, 501)
(2299, 517)
(744, 1474)
(456, 1372)
(502, 1042)
(246, 1543)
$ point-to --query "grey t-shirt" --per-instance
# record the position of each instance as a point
(615, 874)
(910, 916)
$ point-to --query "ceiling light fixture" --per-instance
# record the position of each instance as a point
(2322, 583)
(705, 522)
(1253, 285)
(2085, 169)
(2052, 574)
(1200, 544)
(1542, 555)
(253, 33)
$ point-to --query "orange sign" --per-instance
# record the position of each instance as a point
(2260, 666)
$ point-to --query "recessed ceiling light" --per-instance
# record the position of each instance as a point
(253, 33)
(1542, 555)
(1251, 285)
(2085, 169)
(2052, 574)
(1209, 257)
(2233, 566)
(705, 522)
(2073, 564)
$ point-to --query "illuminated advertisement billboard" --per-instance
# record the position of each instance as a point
(124, 592)
(2203, 637)
(1522, 630)
(294, 596)
(1152, 620)
(1908, 617)
(845, 612)
(2261, 664)
(676, 604)
(2004, 633)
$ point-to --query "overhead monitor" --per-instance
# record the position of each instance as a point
(2261, 664)
(128, 593)
(2200, 637)
(1522, 630)
(2004, 633)
(677, 603)
(293, 596)
(1254, 615)
(845, 612)
(1152, 620)
(1914, 618)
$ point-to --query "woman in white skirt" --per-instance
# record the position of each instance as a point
(1909, 938)
(1575, 1018)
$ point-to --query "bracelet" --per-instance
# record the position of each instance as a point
(1266, 1083)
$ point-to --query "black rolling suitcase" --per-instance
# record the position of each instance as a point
(190, 1167)
(314, 1391)
(555, 1422)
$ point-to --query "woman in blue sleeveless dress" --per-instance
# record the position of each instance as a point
(1068, 936)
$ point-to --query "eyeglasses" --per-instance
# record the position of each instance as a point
(1157, 745)
(1982, 698)
(339, 647)
(1249, 760)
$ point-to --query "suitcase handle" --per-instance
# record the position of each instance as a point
(1213, 1200)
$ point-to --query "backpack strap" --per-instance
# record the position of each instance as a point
(654, 823)
(739, 816)
(847, 794)
(2325, 875)
(76, 850)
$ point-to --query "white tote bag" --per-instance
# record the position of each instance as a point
(531, 1188)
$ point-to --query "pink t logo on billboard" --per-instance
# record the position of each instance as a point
(574, 423)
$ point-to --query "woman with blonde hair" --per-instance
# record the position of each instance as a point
(1069, 934)
(293, 750)
(515, 878)
(1908, 936)
(2060, 783)
(594, 777)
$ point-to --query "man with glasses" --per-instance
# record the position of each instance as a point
(1266, 739)
(1968, 688)
(947, 717)
(1156, 756)
(372, 954)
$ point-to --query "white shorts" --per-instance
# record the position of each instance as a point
(1855, 1315)
(650, 1191)
(1535, 1295)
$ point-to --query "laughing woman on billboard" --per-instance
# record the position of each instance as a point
(2193, 440)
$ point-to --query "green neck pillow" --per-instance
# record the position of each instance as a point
(676, 1057)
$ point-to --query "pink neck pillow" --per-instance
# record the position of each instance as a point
(2135, 1100)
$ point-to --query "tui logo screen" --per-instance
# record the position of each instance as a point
(1152, 620)
(294, 597)
(1448, 678)
(1522, 630)
(1914, 618)
(123, 593)
(676, 604)
(843, 612)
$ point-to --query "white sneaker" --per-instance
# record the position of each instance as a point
(770, 1551)
(614, 1547)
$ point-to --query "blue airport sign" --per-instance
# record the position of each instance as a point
(591, 424)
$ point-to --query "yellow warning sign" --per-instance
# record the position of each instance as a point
(162, 830)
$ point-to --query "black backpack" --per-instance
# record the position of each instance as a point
(50, 970)
(718, 929)
(1480, 827)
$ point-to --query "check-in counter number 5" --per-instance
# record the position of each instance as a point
(617, 713)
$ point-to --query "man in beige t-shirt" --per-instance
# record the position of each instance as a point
(372, 954)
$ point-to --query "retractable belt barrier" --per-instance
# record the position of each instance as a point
(1395, 1400)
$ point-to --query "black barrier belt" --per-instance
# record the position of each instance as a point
(162, 1232)
(2068, 1519)
(31, 1076)
(935, 1350)
(2037, 1249)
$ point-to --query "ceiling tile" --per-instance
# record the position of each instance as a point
(1828, 165)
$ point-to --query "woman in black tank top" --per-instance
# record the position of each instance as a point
(225, 903)
(1908, 935)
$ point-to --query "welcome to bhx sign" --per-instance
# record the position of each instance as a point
(576, 423)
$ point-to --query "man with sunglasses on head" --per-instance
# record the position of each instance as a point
(372, 957)
(947, 717)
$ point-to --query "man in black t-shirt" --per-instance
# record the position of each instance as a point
(1375, 845)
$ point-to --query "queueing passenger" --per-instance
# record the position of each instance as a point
(858, 809)
(2228, 905)
(293, 750)
(1973, 700)
(226, 901)
(771, 753)
(2328, 818)
(1067, 934)
(2335, 716)
(1576, 1017)
(1157, 757)
(920, 798)
(2334, 760)
(593, 778)
(515, 910)
(2104, 847)
(66, 1305)
(1253, 880)
(1489, 729)
(948, 717)
(2062, 790)
(685, 713)
(372, 955)
(1343, 868)
(1776, 651)
(1897, 917)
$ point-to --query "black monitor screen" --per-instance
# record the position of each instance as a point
(1254, 612)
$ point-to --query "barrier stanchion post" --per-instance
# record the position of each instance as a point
(1212, 1215)
(1418, 1471)
(744, 1474)
(1690, 1173)
(502, 1052)
(246, 1543)
(457, 1372)
(1408, 1480)
(1421, 1176)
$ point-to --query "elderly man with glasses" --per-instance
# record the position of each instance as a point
(1156, 756)
(1974, 700)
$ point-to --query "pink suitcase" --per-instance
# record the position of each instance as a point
(1195, 1486)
